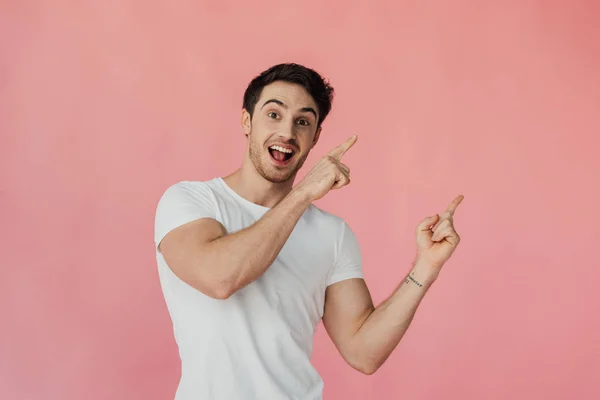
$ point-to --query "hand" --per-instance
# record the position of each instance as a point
(436, 237)
(328, 173)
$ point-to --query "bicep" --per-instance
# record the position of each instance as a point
(347, 305)
(184, 246)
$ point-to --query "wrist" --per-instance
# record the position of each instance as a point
(300, 196)
(424, 273)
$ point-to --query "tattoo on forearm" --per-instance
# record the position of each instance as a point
(413, 280)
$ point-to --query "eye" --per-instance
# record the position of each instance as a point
(303, 122)
(272, 115)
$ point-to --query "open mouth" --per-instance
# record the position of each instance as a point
(281, 155)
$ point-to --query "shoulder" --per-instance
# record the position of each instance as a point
(333, 224)
(183, 202)
(184, 196)
(347, 253)
(325, 219)
(188, 190)
(191, 186)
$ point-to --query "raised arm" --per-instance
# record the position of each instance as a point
(366, 336)
(204, 255)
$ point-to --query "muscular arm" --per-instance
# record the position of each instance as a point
(205, 256)
(201, 252)
(364, 335)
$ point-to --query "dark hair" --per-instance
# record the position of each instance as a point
(310, 80)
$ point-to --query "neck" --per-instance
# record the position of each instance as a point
(249, 184)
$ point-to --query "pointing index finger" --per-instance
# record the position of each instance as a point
(452, 207)
(339, 151)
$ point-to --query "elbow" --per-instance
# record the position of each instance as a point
(218, 293)
(361, 359)
(211, 288)
(204, 279)
(221, 288)
(367, 369)
(216, 287)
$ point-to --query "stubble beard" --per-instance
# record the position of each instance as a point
(270, 172)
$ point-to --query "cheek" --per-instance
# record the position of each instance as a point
(264, 128)
(266, 123)
(308, 139)
(259, 132)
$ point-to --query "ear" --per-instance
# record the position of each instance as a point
(246, 122)
(317, 136)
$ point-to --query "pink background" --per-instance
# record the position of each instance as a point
(105, 104)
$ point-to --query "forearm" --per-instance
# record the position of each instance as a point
(381, 332)
(235, 260)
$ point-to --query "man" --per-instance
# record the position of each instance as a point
(248, 266)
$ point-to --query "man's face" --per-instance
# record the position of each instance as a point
(282, 130)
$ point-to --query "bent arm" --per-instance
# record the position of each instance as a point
(364, 335)
(204, 255)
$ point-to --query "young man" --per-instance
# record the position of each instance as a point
(248, 266)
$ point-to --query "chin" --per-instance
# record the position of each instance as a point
(278, 177)
(275, 174)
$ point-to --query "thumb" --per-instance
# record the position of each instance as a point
(428, 222)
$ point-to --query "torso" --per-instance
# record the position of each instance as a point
(257, 343)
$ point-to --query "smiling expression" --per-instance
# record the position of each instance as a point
(282, 130)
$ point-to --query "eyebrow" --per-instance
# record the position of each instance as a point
(304, 109)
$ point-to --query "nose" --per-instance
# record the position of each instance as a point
(287, 131)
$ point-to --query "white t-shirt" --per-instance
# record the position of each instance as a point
(256, 344)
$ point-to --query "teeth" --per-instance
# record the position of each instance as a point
(281, 149)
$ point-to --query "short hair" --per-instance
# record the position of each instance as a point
(318, 87)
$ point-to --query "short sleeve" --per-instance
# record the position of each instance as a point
(348, 263)
(180, 204)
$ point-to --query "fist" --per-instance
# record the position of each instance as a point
(436, 237)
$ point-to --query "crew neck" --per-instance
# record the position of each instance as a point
(258, 207)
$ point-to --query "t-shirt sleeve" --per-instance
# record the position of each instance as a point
(180, 204)
(349, 258)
